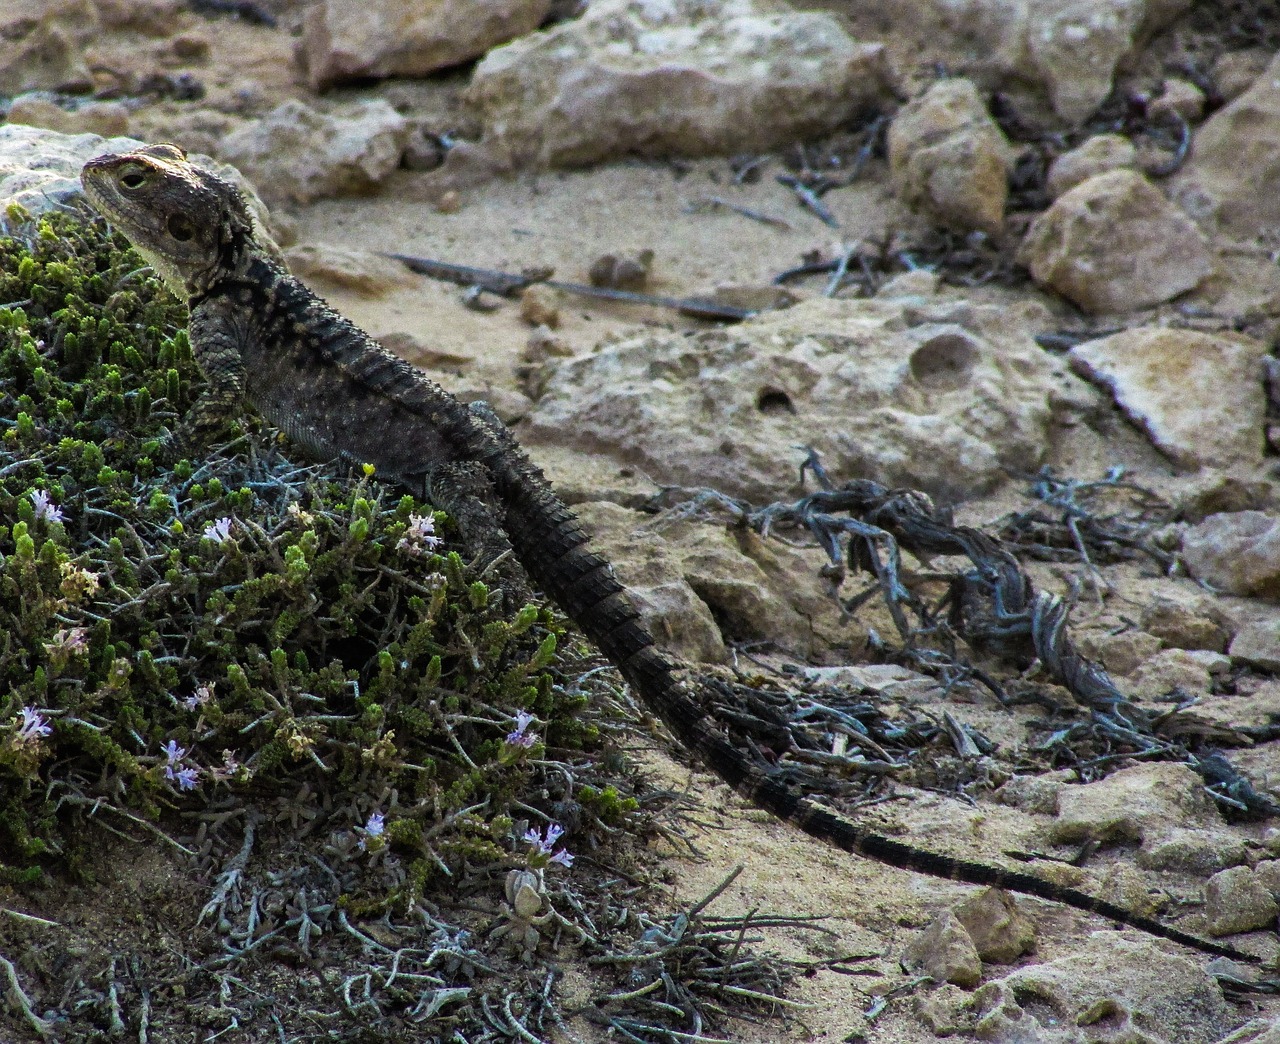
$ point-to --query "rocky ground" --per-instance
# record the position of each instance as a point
(1022, 237)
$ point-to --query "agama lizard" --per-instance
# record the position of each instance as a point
(260, 335)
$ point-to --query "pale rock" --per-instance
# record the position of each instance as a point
(1037, 794)
(1200, 852)
(1236, 900)
(949, 159)
(1198, 625)
(1178, 98)
(150, 17)
(1129, 888)
(1063, 52)
(1134, 804)
(1235, 72)
(1236, 553)
(41, 45)
(298, 154)
(1231, 179)
(1121, 653)
(946, 952)
(1107, 992)
(1176, 669)
(1268, 874)
(1257, 644)
(1198, 396)
(949, 400)
(651, 570)
(1199, 495)
(107, 119)
(363, 272)
(998, 930)
(662, 77)
(918, 282)
(944, 1011)
(1255, 1031)
(1115, 244)
(343, 41)
(1095, 155)
(540, 306)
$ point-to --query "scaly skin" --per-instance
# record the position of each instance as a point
(260, 335)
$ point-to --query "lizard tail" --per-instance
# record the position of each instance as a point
(552, 544)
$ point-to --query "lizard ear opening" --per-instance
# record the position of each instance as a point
(180, 228)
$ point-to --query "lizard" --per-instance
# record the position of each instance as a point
(260, 336)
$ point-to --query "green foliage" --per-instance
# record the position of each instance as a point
(229, 622)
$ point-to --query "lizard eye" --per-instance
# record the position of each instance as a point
(180, 228)
(132, 180)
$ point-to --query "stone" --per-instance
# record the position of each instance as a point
(540, 306)
(1235, 553)
(998, 930)
(679, 77)
(298, 154)
(652, 572)
(1234, 72)
(106, 119)
(1178, 98)
(363, 272)
(1199, 852)
(1236, 900)
(149, 17)
(1115, 244)
(1199, 625)
(1180, 670)
(1114, 990)
(1132, 804)
(945, 398)
(1037, 794)
(949, 158)
(1268, 874)
(1095, 155)
(1257, 644)
(342, 41)
(946, 952)
(1231, 180)
(1175, 384)
(41, 45)
(1121, 653)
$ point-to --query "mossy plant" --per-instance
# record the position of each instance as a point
(172, 633)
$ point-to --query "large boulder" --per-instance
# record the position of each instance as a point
(658, 77)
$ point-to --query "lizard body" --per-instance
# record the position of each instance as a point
(261, 335)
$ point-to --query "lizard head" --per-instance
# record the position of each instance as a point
(193, 227)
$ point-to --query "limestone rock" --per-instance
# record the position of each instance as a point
(1231, 180)
(298, 154)
(949, 158)
(1065, 53)
(682, 76)
(345, 41)
(946, 952)
(107, 119)
(41, 43)
(1096, 155)
(1198, 396)
(651, 570)
(1115, 990)
(366, 273)
(40, 168)
(1114, 244)
(1257, 643)
(1134, 804)
(1176, 669)
(1000, 933)
(1200, 852)
(1235, 72)
(1235, 553)
(149, 17)
(1199, 625)
(942, 397)
(1236, 900)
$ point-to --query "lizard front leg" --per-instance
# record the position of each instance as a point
(217, 341)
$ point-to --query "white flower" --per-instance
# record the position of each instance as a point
(33, 728)
(218, 531)
(45, 507)
(420, 536)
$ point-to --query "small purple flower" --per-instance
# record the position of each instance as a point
(375, 826)
(518, 737)
(186, 777)
(67, 641)
(219, 531)
(46, 509)
(420, 535)
(228, 769)
(33, 728)
(545, 842)
(173, 754)
(199, 698)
